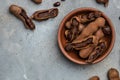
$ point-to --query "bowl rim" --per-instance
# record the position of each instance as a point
(74, 12)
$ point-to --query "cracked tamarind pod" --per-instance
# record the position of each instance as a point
(84, 53)
(85, 18)
(20, 13)
(73, 29)
(113, 74)
(37, 1)
(93, 15)
(70, 35)
(98, 51)
(76, 23)
(90, 29)
(85, 43)
(41, 15)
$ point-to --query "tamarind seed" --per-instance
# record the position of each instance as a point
(56, 4)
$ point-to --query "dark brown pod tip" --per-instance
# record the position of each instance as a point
(37, 1)
(84, 43)
(41, 15)
(20, 13)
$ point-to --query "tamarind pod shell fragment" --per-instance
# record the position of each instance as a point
(41, 15)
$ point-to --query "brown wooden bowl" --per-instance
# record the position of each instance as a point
(61, 38)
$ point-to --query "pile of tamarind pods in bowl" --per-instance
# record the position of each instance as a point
(86, 36)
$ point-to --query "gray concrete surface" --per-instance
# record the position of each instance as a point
(35, 55)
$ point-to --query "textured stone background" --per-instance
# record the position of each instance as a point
(35, 55)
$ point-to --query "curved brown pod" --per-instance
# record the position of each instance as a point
(41, 15)
(20, 13)
(73, 29)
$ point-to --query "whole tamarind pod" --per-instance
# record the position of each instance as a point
(90, 29)
(20, 13)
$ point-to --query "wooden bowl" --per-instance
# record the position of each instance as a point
(62, 41)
